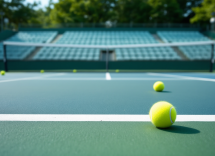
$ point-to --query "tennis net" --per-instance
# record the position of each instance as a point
(105, 54)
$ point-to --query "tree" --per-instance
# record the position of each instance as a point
(203, 12)
(16, 12)
(42, 16)
(186, 6)
(136, 11)
(165, 11)
(86, 11)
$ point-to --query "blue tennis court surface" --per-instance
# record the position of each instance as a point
(105, 93)
(57, 111)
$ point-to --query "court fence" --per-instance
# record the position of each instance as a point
(114, 25)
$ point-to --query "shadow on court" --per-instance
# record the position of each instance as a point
(165, 92)
(181, 130)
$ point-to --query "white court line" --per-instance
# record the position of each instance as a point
(55, 79)
(126, 79)
(108, 77)
(31, 78)
(93, 117)
(183, 77)
(146, 79)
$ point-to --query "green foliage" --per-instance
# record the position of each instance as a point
(136, 11)
(86, 11)
(203, 12)
(186, 6)
(16, 12)
(42, 17)
(100, 11)
(165, 11)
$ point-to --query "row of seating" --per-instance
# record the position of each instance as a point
(51, 53)
(202, 52)
(120, 42)
(34, 36)
(106, 37)
(16, 52)
(181, 36)
(125, 58)
(20, 52)
(162, 53)
(94, 38)
(197, 52)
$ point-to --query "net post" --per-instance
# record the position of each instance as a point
(212, 58)
(5, 58)
(107, 60)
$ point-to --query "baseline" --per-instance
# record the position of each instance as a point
(183, 77)
(95, 117)
(31, 78)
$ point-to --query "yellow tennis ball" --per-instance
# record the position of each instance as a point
(42, 71)
(74, 71)
(117, 70)
(2, 72)
(158, 86)
(162, 114)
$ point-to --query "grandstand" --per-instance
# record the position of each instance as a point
(20, 53)
(34, 36)
(53, 53)
(152, 53)
(103, 37)
(16, 52)
(107, 38)
(181, 36)
(191, 52)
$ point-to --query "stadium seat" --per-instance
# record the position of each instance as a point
(191, 52)
(107, 38)
(20, 53)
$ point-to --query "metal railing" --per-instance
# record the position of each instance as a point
(112, 25)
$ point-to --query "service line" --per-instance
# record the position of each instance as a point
(95, 117)
(183, 77)
(32, 78)
(114, 79)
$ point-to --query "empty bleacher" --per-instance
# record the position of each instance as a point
(21, 52)
(107, 38)
(191, 52)
(181, 36)
(150, 53)
(16, 52)
(34, 36)
(54, 53)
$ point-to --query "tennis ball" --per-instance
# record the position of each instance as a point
(162, 114)
(2, 72)
(117, 70)
(158, 86)
(42, 71)
(74, 71)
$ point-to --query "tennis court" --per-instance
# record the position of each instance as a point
(104, 114)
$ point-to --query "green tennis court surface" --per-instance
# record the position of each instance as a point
(88, 114)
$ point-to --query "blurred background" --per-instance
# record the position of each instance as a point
(68, 13)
